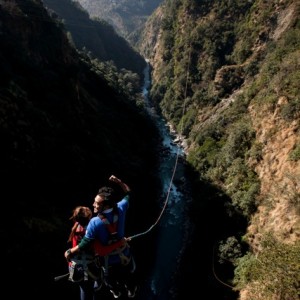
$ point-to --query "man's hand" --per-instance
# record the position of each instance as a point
(123, 185)
(114, 179)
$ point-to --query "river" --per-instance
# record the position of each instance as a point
(173, 226)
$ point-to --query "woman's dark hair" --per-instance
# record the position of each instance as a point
(81, 215)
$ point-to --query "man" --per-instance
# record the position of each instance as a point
(107, 232)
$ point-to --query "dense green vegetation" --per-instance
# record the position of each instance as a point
(274, 271)
(211, 50)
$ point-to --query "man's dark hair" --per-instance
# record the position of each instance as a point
(108, 194)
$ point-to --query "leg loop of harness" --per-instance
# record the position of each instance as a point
(106, 265)
(124, 259)
(84, 268)
(86, 274)
(71, 271)
(76, 272)
(133, 265)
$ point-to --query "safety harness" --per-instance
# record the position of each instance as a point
(82, 265)
(116, 245)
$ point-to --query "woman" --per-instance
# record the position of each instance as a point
(84, 268)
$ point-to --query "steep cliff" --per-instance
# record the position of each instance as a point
(225, 75)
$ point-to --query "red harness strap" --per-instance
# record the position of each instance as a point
(106, 250)
(111, 227)
(114, 242)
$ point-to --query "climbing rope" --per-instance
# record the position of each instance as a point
(214, 271)
(175, 164)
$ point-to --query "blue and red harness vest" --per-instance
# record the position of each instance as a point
(116, 246)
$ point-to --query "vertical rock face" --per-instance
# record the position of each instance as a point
(278, 209)
(279, 175)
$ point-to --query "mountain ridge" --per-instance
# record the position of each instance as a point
(96, 37)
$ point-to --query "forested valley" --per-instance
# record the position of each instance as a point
(225, 76)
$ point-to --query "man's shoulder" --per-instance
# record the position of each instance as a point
(125, 198)
(95, 220)
(124, 202)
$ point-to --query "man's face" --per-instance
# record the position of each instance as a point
(98, 204)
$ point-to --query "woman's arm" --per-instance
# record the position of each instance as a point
(83, 244)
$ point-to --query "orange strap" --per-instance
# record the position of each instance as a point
(105, 250)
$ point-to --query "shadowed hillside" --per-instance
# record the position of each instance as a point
(64, 130)
(97, 38)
